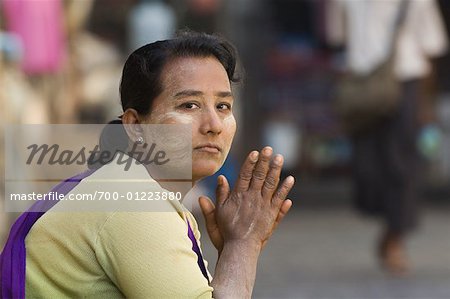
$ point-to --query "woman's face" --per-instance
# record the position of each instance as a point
(197, 91)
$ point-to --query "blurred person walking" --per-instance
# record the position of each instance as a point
(40, 27)
(385, 159)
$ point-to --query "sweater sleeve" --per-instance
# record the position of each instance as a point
(150, 255)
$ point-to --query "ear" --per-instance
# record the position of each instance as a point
(132, 123)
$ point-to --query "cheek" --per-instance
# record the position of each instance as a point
(178, 118)
(229, 124)
(173, 118)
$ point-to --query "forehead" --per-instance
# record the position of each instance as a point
(198, 73)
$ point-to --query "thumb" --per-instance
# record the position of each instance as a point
(208, 208)
(222, 190)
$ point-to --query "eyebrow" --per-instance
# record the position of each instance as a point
(196, 93)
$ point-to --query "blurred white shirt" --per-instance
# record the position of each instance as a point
(150, 21)
(366, 28)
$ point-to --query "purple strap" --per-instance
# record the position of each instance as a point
(196, 249)
(13, 257)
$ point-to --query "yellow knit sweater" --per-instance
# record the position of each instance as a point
(113, 254)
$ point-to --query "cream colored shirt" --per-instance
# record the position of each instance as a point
(114, 254)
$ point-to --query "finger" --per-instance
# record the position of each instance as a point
(222, 190)
(283, 190)
(208, 209)
(285, 207)
(261, 169)
(245, 175)
(273, 177)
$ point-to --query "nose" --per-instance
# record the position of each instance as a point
(211, 122)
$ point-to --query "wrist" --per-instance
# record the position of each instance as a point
(247, 244)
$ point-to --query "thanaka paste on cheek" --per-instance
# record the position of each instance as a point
(229, 119)
(178, 117)
(160, 115)
(229, 123)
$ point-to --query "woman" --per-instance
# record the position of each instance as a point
(185, 80)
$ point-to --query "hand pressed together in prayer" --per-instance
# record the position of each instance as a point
(255, 206)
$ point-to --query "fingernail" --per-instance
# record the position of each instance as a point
(254, 155)
(267, 150)
(278, 159)
(290, 179)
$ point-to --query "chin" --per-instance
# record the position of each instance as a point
(205, 169)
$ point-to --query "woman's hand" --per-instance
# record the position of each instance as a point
(254, 208)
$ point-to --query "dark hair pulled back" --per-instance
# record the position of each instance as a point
(141, 76)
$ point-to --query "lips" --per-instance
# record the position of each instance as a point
(208, 148)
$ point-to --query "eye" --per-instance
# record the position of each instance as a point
(189, 106)
(224, 106)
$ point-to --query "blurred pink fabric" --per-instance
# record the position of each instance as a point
(39, 24)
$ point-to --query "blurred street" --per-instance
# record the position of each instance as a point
(319, 252)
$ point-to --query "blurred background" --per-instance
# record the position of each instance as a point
(61, 60)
